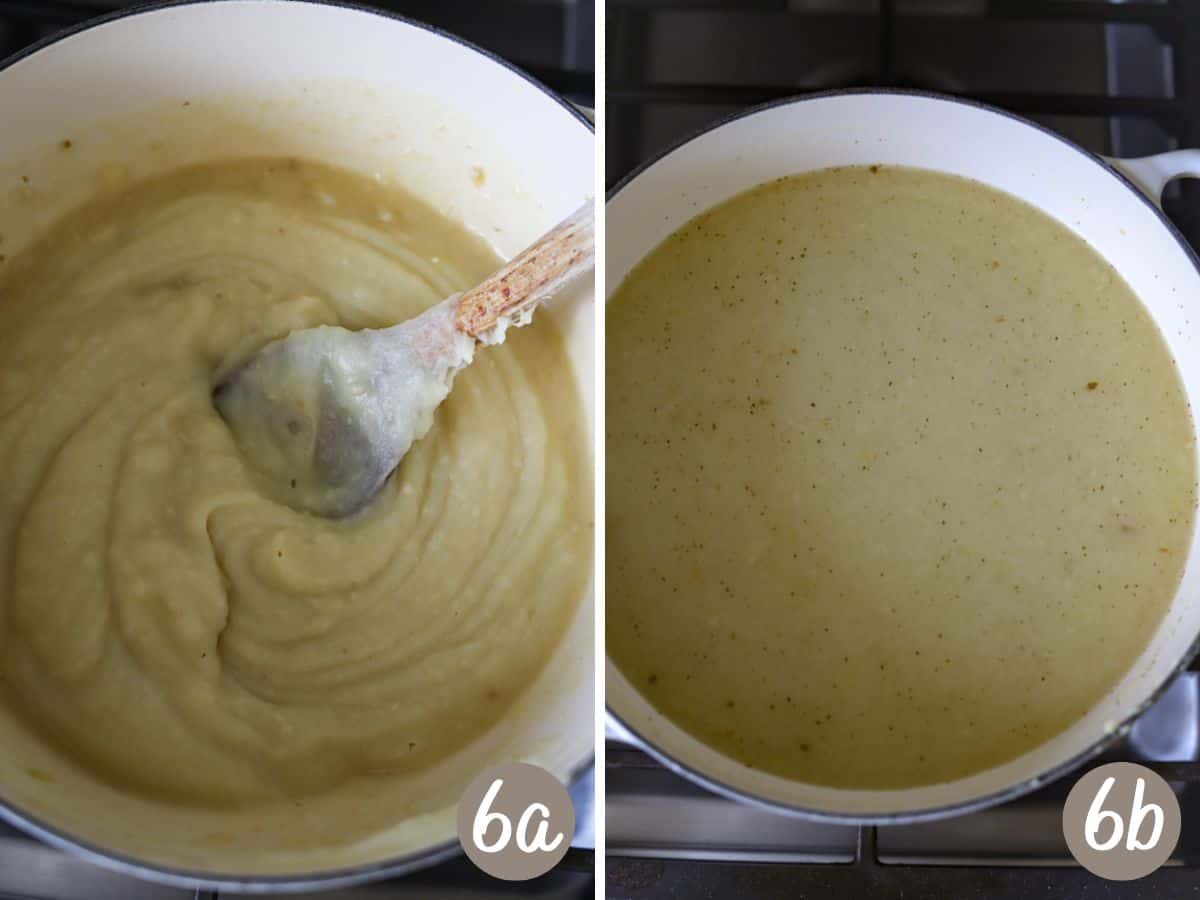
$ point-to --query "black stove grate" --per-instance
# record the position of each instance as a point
(1118, 78)
(1011, 852)
(870, 872)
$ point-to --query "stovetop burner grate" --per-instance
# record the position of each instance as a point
(1119, 78)
(668, 838)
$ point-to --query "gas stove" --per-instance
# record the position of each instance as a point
(1119, 78)
(668, 838)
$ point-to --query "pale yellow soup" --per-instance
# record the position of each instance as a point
(163, 617)
(900, 477)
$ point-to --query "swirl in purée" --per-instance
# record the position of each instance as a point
(167, 620)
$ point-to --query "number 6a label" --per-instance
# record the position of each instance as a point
(515, 821)
(1121, 821)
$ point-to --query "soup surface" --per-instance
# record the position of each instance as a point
(900, 477)
(169, 622)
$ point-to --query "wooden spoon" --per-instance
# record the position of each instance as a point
(327, 414)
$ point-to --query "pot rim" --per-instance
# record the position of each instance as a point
(1020, 788)
(259, 884)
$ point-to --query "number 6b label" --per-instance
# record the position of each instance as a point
(1121, 821)
(515, 821)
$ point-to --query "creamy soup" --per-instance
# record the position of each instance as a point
(900, 477)
(164, 618)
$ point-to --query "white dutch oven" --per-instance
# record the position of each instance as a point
(1102, 201)
(139, 93)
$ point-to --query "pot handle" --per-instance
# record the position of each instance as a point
(1151, 173)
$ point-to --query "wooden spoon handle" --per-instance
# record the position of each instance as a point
(536, 274)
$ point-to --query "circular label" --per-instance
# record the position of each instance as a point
(1121, 821)
(515, 821)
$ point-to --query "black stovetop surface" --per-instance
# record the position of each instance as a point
(1119, 78)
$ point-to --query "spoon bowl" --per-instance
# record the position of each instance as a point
(325, 415)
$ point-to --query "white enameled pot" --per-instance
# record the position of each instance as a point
(1111, 204)
(144, 91)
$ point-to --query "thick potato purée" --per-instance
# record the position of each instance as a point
(167, 621)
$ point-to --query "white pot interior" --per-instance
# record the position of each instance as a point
(379, 96)
(1000, 151)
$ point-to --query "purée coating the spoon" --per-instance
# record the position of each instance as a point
(329, 413)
